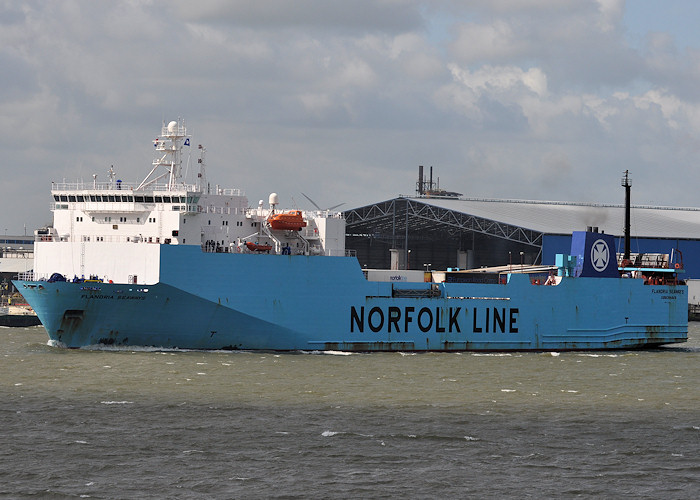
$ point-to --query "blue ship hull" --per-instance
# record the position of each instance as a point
(284, 302)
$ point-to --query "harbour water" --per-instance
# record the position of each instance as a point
(125, 423)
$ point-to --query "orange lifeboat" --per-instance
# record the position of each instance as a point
(288, 221)
(258, 247)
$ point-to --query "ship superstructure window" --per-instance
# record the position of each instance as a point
(148, 199)
(159, 199)
(71, 197)
(81, 198)
(166, 199)
(64, 197)
(138, 199)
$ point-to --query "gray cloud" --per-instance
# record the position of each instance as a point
(358, 16)
(342, 100)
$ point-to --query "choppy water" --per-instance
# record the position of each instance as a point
(126, 424)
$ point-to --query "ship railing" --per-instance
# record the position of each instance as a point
(26, 276)
(126, 207)
(91, 186)
(17, 253)
(211, 209)
(100, 238)
(230, 192)
(126, 186)
(326, 214)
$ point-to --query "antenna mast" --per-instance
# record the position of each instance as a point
(202, 174)
(627, 184)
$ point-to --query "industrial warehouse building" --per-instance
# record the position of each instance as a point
(440, 232)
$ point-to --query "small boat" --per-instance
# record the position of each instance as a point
(258, 247)
(18, 316)
(292, 220)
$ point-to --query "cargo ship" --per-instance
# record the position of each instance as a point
(168, 264)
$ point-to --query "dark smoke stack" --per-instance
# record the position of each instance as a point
(421, 191)
(431, 178)
(627, 184)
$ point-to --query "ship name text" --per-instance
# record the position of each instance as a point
(438, 319)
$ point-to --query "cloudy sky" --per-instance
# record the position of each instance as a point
(342, 100)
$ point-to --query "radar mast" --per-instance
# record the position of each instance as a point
(168, 146)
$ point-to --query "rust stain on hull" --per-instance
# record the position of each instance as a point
(369, 346)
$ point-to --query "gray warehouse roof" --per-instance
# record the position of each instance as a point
(552, 217)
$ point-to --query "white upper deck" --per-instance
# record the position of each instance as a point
(95, 222)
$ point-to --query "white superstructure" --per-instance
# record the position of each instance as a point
(112, 231)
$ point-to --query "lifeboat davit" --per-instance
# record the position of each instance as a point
(258, 247)
(288, 221)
